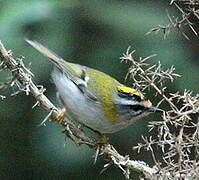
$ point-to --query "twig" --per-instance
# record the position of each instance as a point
(177, 135)
(188, 10)
(24, 79)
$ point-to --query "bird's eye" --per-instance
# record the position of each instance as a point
(137, 98)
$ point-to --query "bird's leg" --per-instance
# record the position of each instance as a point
(101, 141)
(60, 115)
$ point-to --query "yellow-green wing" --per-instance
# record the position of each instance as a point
(75, 72)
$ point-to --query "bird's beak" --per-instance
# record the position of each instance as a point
(147, 104)
(155, 109)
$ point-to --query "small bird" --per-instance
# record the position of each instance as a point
(94, 98)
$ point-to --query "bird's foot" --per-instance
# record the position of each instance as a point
(101, 139)
(60, 115)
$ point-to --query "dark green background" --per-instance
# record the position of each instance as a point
(93, 33)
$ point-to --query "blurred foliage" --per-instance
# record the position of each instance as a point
(93, 33)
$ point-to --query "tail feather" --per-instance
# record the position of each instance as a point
(45, 51)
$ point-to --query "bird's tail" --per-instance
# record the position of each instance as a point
(45, 51)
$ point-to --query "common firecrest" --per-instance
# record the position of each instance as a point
(94, 98)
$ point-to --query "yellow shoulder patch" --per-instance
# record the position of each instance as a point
(130, 90)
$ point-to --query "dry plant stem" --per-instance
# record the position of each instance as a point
(188, 10)
(23, 77)
(177, 136)
(124, 161)
(148, 79)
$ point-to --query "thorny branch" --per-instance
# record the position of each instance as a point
(188, 9)
(22, 78)
(177, 136)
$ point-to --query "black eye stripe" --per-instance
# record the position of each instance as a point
(136, 107)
